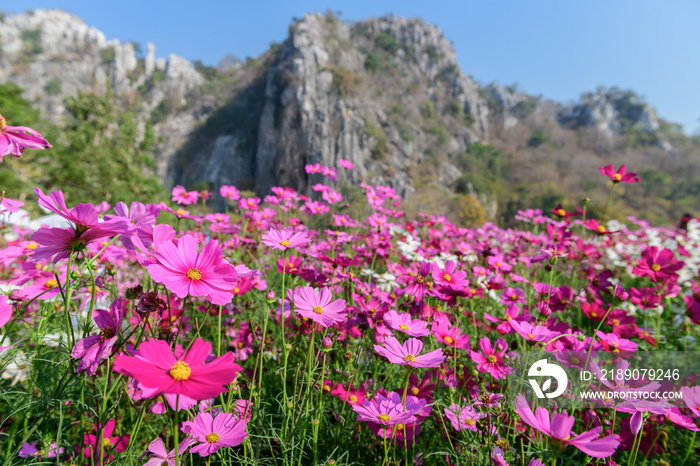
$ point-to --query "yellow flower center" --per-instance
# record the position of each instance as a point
(106, 442)
(318, 310)
(212, 438)
(106, 334)
(353, 398)
(180, 371)
(32, 246)
(236, 290)
(409, 358)
(616, 322)
(561, 212)
(404, 327)
(617, 177)
(492, 359)
(326, 388)
(449, 340)
(384, 417)
(575, 360)
(194, 274)
(285, 243)
(399, 427)
(50, 284)
(415, 391)
(531, 335)
(503, 443)
(180, 211)
(469, 422)
(655, 267)
(3, 123)
(446, 277)
(507, 318)
(514, 297)
(601, 229)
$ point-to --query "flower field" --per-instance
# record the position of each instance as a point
(286, 331)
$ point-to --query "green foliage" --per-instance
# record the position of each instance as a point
(380, 149)
(162, 110)
(372, 63)
(53, 87)
(31, 40)
(427, 110)
(101, 155)
(484, 167)
(108, 55)
(657, 183)
(538, 138)
(208, 72)
(440, 133)
(454, 108)
(345, 80)
(387, 43)
(406, 134)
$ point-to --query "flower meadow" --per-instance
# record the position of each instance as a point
(286, 331)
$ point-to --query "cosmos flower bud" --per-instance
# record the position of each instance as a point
(270, 296)
(327, 343)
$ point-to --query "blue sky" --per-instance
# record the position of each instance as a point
(557, 49)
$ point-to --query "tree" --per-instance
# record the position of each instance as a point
(102, 154)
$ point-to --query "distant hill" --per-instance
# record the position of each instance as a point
(387, 94)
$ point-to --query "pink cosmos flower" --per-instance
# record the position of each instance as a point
(512, 312)
(351, 395)
(491, 361)
(230, 192)
(530, 333)
(14, 139)
(612, 342)
(183, 374)
(449, 277)
(658, 265)
(319, 307)
(30, 449)
(184, 197)
(93, 349)
(215, 432)
(285, 239)
(450, 335)
(409, 353)
(620, 176)
(110, 444)
(59, 243)
(388, 410)
(346, 164)
(9, 205)
(5, 310)
(160, 455)
(404, 323)
(560, 426)
(463, 418)
(186, 272)
(83, 216)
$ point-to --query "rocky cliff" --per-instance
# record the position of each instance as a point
(386, 94)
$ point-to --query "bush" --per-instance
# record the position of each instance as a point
(108, 55)
(441, 134)
(387, 43)
(31, 39)
(53, 87)
(380, 149)
(538, 138)
(372, 63)
(406, 134)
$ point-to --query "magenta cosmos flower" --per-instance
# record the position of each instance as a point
(215, 432)
(491, 361)
(186, 272)
(186, 374)
(110, 444)
(319, 307)
(404, 323)
(621, 176)
(559, 428)
(535, 334)
(160, 455)
(93, 349)
(409, 353)
(285, 239)
(658, 265)
(184, 197)
(463, 418)
(388, 410)
(14, 139)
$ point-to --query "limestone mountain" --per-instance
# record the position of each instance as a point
(386, 93)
